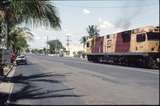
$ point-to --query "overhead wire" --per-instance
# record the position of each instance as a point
(82, 6)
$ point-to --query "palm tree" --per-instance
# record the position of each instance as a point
(93, 30)
(36, 11)
(18, 39)
(83, 41)
(20, 45)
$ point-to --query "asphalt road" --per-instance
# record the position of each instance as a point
(51, 80)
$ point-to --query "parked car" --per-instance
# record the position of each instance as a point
(21, 59)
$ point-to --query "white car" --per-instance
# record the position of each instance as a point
(21, 59)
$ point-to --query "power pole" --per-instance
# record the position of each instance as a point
(47, 46)
(68, 43)
(56, 47)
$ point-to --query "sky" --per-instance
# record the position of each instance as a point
(110, 16)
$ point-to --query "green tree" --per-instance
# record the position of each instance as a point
(40, 51)
(45, 51)
(18, 39)
(92, 30)
(27, 50)
(34, 51)
(83, 41)
(55, 46)
(14, 12)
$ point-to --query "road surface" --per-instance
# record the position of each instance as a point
(51, 80)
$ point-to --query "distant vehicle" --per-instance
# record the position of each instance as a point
(21, 59)
(61, 55)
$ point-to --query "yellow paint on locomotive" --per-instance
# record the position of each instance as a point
(146, 40)
(109, 43)
(88, 45)
(143, 40)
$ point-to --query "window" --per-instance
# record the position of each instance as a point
(153, 36)
(141, 38)
(108, 36)
(126, 36)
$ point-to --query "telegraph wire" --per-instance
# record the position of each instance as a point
(80, 6)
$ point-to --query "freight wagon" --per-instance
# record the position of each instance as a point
(137, 46)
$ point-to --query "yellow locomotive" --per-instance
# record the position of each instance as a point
(137, 46)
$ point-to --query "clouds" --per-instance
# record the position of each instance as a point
(107, 27)
(86, 11)
(104, 24)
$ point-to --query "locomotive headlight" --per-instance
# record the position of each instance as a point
(158, 60)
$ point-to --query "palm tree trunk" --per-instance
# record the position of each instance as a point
(6, 21)
(7, 36)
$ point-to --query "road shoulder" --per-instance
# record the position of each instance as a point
(6, 87)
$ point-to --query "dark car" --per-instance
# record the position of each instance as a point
(21, 60)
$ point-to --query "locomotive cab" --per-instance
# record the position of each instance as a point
(153, 39)
(146, 41)
(88, 45)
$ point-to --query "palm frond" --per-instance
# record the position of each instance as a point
(37, 11)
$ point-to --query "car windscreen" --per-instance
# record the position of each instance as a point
(21, 56)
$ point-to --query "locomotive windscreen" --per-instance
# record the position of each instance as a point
(153, 36)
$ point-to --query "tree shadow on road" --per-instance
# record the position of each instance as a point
(32, 92)
(3, 98)
(42, 77)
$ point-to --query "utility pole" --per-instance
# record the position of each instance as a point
(56, 47)
(68, 43)
(47, 45)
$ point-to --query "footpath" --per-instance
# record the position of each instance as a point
(5, 85)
